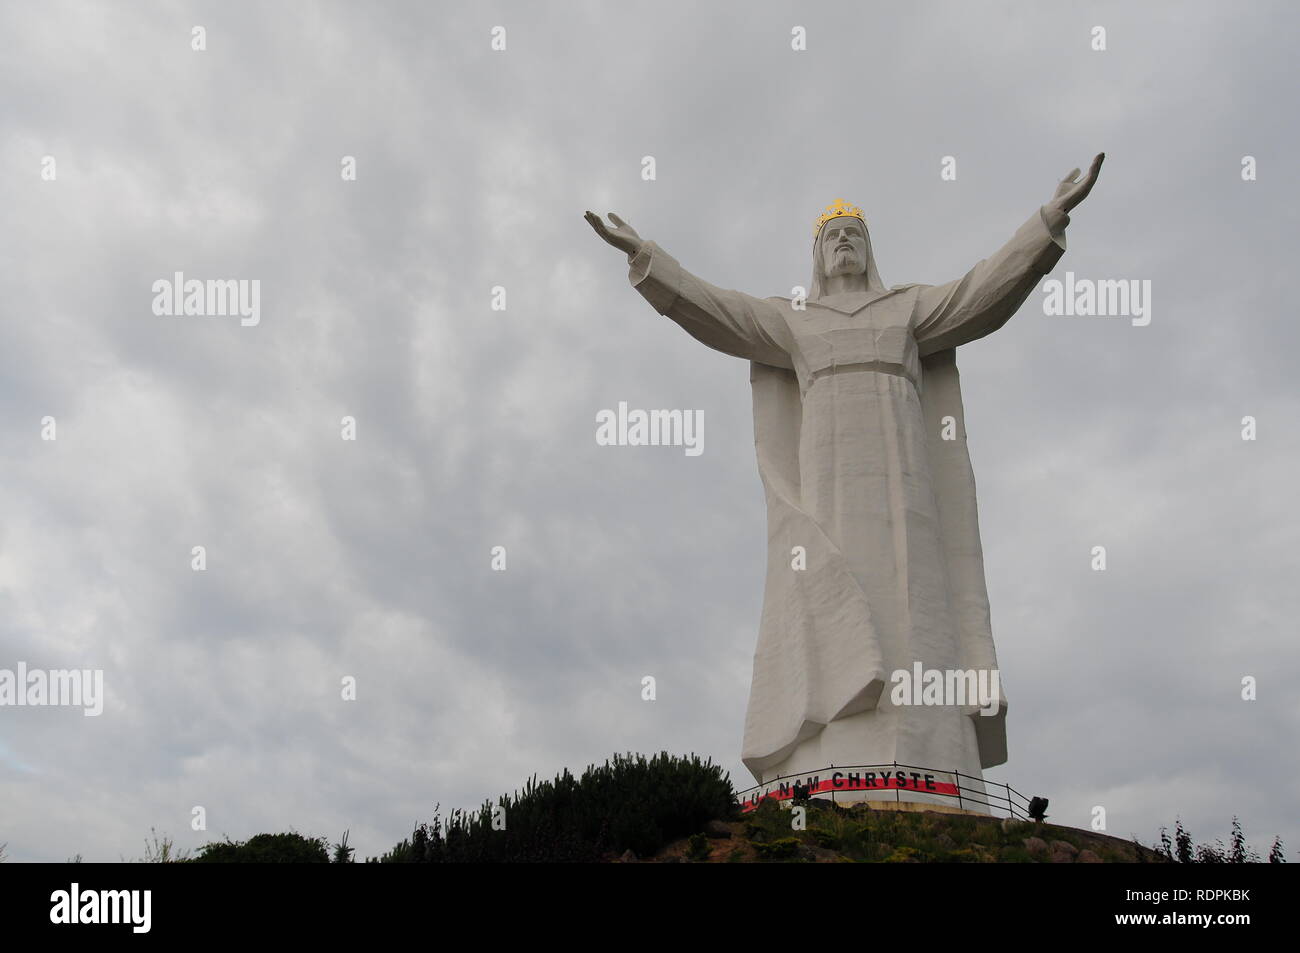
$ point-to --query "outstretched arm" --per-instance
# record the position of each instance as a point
(729, 321)
(986, 297)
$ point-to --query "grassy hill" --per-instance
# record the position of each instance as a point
(859, 833)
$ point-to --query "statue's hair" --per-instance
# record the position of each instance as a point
(817, 287)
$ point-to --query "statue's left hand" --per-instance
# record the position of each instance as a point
(1071, 192)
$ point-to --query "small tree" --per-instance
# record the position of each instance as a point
(342, 852)
(1240, 852)
(1183, 840)
(1275, 856)
(162, 851)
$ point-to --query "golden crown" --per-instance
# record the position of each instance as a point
(838, 209)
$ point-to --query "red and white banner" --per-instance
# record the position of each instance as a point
(844, 780)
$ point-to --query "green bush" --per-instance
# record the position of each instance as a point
(697, 847)
(777, 849)
(906, 855)
(266, 849)
(629, 803)
(825, 838)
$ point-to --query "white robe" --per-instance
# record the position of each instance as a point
(848, 412)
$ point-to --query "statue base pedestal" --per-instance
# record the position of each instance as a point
(923, 756)
(909, 807)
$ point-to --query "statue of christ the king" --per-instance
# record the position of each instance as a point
(861, 442)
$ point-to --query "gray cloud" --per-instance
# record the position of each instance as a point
(475, 427)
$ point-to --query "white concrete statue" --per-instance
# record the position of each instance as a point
(861, 443)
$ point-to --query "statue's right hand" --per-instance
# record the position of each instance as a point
(621, 235)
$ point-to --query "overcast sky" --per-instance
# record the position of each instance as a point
(476, 428)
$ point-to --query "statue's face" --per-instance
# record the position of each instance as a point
(844, 247)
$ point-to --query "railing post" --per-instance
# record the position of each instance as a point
(956, 776)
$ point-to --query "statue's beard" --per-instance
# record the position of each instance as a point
(844, 262)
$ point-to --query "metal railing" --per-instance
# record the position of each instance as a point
(978, 791)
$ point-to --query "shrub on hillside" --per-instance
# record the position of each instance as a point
(629, 803)
(266, 849)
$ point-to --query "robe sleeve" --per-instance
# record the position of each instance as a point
(986, 297)
(729, 321)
